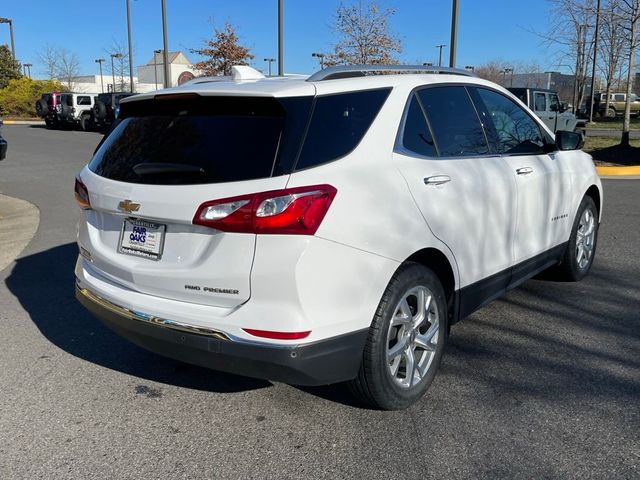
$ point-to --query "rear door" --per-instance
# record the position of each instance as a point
(466, 194)
(161, 162)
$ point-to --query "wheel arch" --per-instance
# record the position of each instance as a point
(594, 192)
(436, 261)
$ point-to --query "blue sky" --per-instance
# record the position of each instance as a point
(488, 29)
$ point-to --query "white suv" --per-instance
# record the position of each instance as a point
(75, 109)
(326, 229)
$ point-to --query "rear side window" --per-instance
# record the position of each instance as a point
(512, 130)
(540, 102)
(203, 140)
(416, 136)
(338, 124)
(84, 100)
(454, 121)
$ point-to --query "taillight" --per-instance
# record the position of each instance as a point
(277, 335)
(82, 195)
(294, 211)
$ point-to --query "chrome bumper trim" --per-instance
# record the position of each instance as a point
(146, 318)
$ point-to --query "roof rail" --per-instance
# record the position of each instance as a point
(349, 71)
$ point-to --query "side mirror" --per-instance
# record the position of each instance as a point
(564, 106)
(566, 140)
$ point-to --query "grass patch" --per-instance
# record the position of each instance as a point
(613, 124)
(608, 151)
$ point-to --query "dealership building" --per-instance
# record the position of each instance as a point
(150, 76)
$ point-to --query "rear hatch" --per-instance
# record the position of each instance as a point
(166, 157)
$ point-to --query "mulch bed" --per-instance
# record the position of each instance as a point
(616, 155)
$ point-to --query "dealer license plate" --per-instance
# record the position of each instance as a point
(142, 239)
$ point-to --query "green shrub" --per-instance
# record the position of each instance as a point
(19, 97)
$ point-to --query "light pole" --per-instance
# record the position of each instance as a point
(155, 65)
(28, 66)
(99, 62)
(454, 34)
(320, 57)
(280, 38)
(508, 70)
(130, 49)
(269, 61)
(10, 22)
(595, 57)
(440, 54)
(165, 48)
(113, 70)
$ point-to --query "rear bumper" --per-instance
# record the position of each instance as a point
(324, 362)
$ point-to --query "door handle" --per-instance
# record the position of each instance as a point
(437, 180)
(524, 170)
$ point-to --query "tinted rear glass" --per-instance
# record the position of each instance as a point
(338, 124)
(202, 140)
(416, 135)
(454, 122)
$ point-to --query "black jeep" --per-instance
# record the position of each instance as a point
(104, 110)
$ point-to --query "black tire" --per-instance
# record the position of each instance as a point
(569, 268)
(85, 122)
(42, 108)
(611, 113)
(375, 384)
(49, 123)
(99, 110)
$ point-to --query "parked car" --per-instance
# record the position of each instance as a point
(617, 103)
(74, 109)
(330, 228)
(547, 106)
(104, 111)
(46, 108)
(3, 143)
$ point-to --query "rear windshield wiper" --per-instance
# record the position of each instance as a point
(145, 169)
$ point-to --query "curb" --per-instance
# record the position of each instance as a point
(23, 122)
(618, 171)
(19, 222)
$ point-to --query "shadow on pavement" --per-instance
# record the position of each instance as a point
(44, 285)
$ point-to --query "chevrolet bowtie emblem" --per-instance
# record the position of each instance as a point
(128, 206)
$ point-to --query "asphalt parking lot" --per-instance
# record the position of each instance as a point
(544, 383)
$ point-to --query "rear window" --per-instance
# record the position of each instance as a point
(105, 98)
(454, 121)
(338, 124)
(202, 140)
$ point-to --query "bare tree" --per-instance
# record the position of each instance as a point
(120, 65)
(49, 59)
(493, 70)
(222, 52)
(630, 11)
(572, 29)
(364, 35)
(612, 41)
(67, 67)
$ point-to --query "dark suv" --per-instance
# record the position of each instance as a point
(104, 112)
(46, 108)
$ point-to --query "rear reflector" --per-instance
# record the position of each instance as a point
(277, 335)
(82, 195)
(294, 211)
